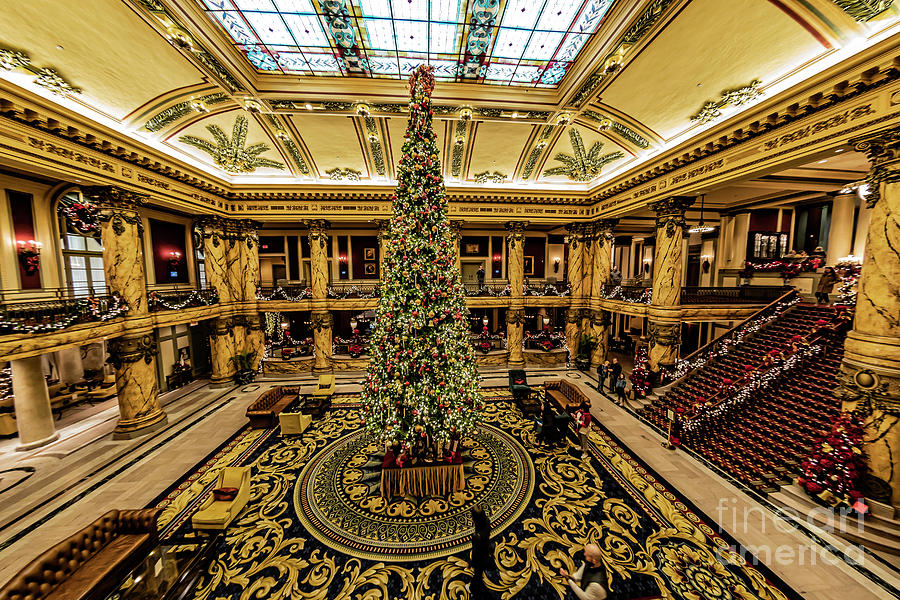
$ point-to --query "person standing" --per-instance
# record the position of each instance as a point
(620, 384)
(615, 277)
(603, 373)
(583, 422)
(826, 285)
(481, 558)
(589, 581)
(615, 369)
(479, 275)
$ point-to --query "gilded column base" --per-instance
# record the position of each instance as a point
(127, 429)
(870, 385)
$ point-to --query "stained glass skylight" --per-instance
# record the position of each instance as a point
(516, 42)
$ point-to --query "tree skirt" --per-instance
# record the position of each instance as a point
(316, 525)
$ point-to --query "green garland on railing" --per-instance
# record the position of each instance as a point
(84, 310)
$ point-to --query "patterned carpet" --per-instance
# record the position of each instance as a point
(317, 527)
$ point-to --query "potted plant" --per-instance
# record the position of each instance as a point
(355, 350)
(244, 363)
(485, 347)
(586, 345)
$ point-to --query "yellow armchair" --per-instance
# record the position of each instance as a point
(325, 386)
(218, 514)
(293, 423)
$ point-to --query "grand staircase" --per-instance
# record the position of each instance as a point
(761, 440)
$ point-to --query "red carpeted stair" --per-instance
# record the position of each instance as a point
(761, 441)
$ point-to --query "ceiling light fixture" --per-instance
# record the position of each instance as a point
(460, 140)
(824, 160)
(564, 119)
(839, 150)
(308, 106)
(465, 115)
(515, 115)
(604, 125)
(373, 137)
(253, 106)
(700, 227)
(363, 110)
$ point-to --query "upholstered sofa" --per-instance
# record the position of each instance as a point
(91, 563)
(566, 395)
(263, 413)
(217, 514)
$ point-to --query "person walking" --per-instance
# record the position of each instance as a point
(602, 373)
(826, 285)
(482, 557)
(589, 581)
(620, 384)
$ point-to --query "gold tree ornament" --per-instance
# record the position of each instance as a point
(583, 166)
(231, 154)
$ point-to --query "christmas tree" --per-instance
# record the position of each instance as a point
(834, 468)
(421, 379)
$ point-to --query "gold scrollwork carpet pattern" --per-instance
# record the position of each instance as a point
(317, 527)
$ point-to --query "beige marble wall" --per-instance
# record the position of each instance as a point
(870, 373)
(539, 358)
(134, 358)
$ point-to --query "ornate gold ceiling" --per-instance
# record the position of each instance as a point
(647, 75)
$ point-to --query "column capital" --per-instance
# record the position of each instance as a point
(882, 148)
(673, 205)
(514, 227)
(125, 350)
(317, 225)
(114, 197)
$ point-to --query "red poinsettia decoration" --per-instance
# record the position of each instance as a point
(836, 465)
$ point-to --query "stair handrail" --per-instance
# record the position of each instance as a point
(683, 363)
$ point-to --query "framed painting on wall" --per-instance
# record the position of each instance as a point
(369, 254)
(370, 269)
(528, 265)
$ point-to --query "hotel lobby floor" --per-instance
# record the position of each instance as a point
(49, 493)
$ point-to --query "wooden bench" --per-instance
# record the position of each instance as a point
(263, 413)
(566, 395)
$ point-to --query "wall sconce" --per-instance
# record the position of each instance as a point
(353, 323)
(174, 262)
(556, 262)
(484, 320)
(29, 256)
(342, 259)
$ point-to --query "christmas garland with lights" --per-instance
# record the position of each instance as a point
(618, 293)
(83, 310)
(487, 291)
(280, 294)
(788, 269)
(547, 290)
(353, 289)
(195, 298)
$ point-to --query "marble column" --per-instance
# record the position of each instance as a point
(134, 358)
(575, 278)
(249, 241)
(664, 312)
(384, 229)
(456, 240)
(515, 312)
(322, 321)
(870, 372)
(603, 240)
(840, 232)
(210, 231)
(862, 229)
(134, 355)
(255, 341)
(740, 231)
(34, 418)
(601, 320)
(223, 347)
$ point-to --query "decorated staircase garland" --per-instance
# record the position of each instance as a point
(834, 469)
(849, 283)
(194, 299)
(723, 345)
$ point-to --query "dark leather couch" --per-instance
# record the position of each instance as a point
(263, 413)
(91, 563)
(567, 396)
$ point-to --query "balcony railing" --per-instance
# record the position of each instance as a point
(560, 288)
(59, 312)
(175, 299)
(344, 291)
(494, 289)
(290, 292)
(746, 294)
(636, 294)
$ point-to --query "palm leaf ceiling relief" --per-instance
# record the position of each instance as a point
(583, 166)
(231, 154)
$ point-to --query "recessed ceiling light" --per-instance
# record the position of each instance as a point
(308, 106)
(58, 47)
(515, 115)
(699, 85)
(823, 160)
(839, 150)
